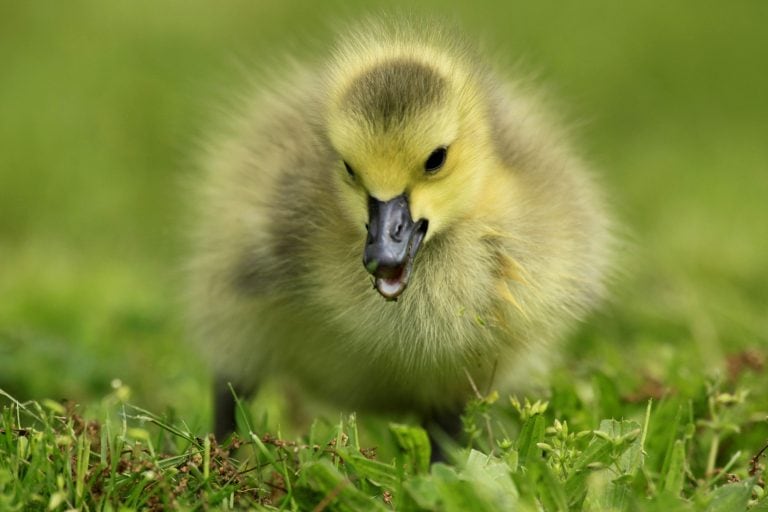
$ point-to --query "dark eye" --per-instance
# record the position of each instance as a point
(436, 160)
(349, 170)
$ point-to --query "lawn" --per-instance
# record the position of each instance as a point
(660, 402)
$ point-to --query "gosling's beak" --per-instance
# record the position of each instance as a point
(393, 240)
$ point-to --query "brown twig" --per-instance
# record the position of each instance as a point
(331, 496)
(754, 466)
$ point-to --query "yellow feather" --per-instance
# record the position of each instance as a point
(506, 294)
(511, 269)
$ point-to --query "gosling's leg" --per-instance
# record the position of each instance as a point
(225, 406)
(442, 426)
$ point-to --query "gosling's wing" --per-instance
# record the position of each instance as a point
(557, 226)
(258, 179)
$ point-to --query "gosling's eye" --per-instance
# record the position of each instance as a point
(436, 160)
(349, 170)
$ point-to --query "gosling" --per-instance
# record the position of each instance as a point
(392, 229)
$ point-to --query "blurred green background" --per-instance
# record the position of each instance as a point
(102, 105)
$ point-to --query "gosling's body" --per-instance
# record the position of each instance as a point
(515, 252)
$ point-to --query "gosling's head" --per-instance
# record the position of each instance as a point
(409, 123)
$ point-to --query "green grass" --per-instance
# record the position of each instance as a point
(700, 452)
(101, 107)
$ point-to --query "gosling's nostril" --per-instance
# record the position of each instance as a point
(397, 232)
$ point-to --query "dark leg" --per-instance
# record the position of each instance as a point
(225, 407)
(443, 428)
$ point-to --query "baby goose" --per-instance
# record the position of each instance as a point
(481, 234)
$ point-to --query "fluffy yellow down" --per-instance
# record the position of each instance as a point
(516, 250)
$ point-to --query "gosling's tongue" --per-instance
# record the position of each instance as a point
(391, 288)
(393, 240)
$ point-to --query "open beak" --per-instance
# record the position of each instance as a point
(393, 241)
